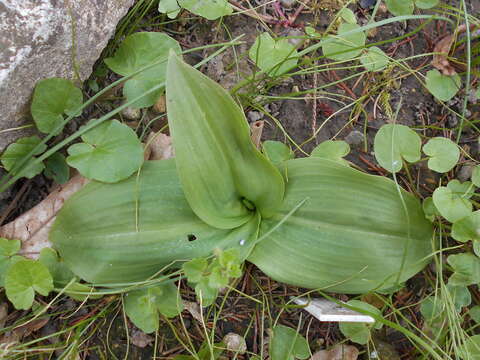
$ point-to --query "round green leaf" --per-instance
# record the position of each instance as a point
(467, 228)
(466, 268)
(374, 59)
(51, 99)
(429, 209)
(400, 7)
(341, 47)
(169, 7)
(23, 279)
(360, 332)
(348, 16)
(451, 206)
(395, 142)
(287, 344)
(137, 51)
(474, 313)
(277, 152)
(443, 152)
(274, 56)
(59, 271)
(441, 86)
(8, 250)
(209, 9)
(476, 175)
(110, 152)
(426, 4)
(470, 350)
(18, 150)
(56, 168)
(333, 150)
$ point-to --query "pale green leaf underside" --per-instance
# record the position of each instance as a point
(400, 7)
(374, 59)
(441, 86)
(288, 344)
(209, 9)
(466, 267)
(18, 151)
(467, 228)
(169, 7)
(450, 205)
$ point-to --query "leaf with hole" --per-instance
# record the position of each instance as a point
(400, 7)
(467, 228)
(426, 4)
(56, 168)
(360, 332)
(450, 204)
(18, 151)
(273, 56)
(209, 9)
(8, 256)
(144, 306)
(394, 142)
(110, 152)
(466, 268)
(287, 344)
(23, 279)
(374, 59)
(441, 86)
(136, 52)
(51, 99)
(169, 7)
(443, 153)
(333, 150)
(342, 47)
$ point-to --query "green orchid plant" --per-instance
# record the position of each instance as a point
(310, 222)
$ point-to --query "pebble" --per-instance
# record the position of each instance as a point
(288, 3)
(465, 172)
(131, 113)
(452, 120)
(355, 138)
(254, 116)
(235, 343)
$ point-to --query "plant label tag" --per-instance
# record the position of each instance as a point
(325, 310)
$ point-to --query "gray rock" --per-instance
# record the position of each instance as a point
(254, 116)
(355, 138)
(465, 172)
(131, 113)
(48, 38)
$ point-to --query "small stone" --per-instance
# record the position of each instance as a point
(452, 120)
(131, 113)
(355, 138)
(465, 172)
(254, 116)
(235, 343)
(288, 3)
(472, 96)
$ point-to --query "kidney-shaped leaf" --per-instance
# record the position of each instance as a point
(443, 87)
(223, 175)
(443, 152)
(466, 267)
(209, 9)
(400, 7)
(342, 47)
(23, 279)
(17, 151)
(467, 228)
(110, 152)
(333, 150)
(277, 152)
(426, 4)
(394, 142)
(288, 344)
(137, 51)
(360, 332)
(273, 56)
(169, 7)
(374, 59)
(451, 205)
(470, 349)
(51, 99)
(143, 306)
(8, 251)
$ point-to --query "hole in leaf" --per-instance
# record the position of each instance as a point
(191, 237)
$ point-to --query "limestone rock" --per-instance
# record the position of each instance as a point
(48, 38)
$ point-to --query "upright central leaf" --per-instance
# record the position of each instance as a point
(224, 177)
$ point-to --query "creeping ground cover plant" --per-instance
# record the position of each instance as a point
(318, 223)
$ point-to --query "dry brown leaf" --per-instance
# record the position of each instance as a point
(17, 334)
(140, 339)
(3, 314)
(161, 105)
(32, 227)
(338, 352)
(159, 146)
(194, 309)
(442, 49)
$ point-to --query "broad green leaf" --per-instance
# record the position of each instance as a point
(144, 306)
(400, 7)
(18, 150)
(23, 279)
(348, 16)
(277, 152)
(56, 168)
(466, 267)
(374, 59)
(395, 142)
(441, 86)
(273, 56)
(128, 231)
(137, 51)
(350, 235)
(360, 332)
(476, 175)
(467, 228)
(169, 7)
(194, 269)
(429, 209)
(476, 248)
(426, 4)
(333, 150)
(287, 344)
(209, 9)
(341, 47)
(110, 152)
(470, 350)
(51, 99)
(8, 250)
(443, 153)
(451, 205)
(221, 171)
